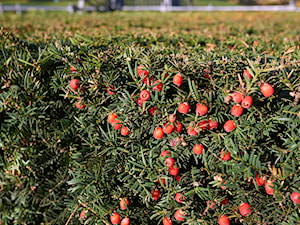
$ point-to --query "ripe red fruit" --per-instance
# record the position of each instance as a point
(178, 127)
(247, 102)
(229, 126)
(295, 196)
(212, 124)
(206, 74)
(201, 109)
(237, 110)
(173, 170)
(125, 221)
(167, 221)
(168, 129)
(245, 209)
(172, 118)
(124, 131)
(144, 95)
(177, 80)
(269, 187)
(203, 124)
(223, 220)
(140, 102)
(179, 215)
(110, 90)
(246, 73)
(163, 180)
(237, 97)
(73, 69)
(124, 203)
(115, 218)
(155, 194)
(211, 204)
(165, 153)
(142, 72)
(198, 149)
(111, 117)
(192, 131)
(74, 84)
(82, 215)
(224, 202)
(266, 89)
(179, 197)
(177, 177)
(79, 105)
(153, 110)
(116, 124)
(157, 86)
(223, 187)
(184, 107)
(158, 133)
(260, 180)
(169, 162)
(225, 156)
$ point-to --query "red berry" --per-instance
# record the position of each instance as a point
(229, 126)
(82, 214)
(115, 218)
(167, 221)
(178, 127)
(165, 153)
(201, 109)
(177, 177)
(144, 95)
(116, 124)
(203, 124)
(245, 209)
(247, 102)
(198, 149)
(223, 187)
(79, 105)
(237, 97)
(161, 180)
(153, 110)
(74, 84)
(225, 156)
(172, 118)
(157, 86)
(206, 74)
(224, 202)
(223, 220)
(173, 170)
(111, 117)
(246, 73)
(212, 124)
(179, 197)
(168, 129)
(260, 180)
(124, 131)
(73, 69)
(184, 107)
(142, 72)
(125, 221)
(177, 80)
(140, 102)
(158, 133)
(155, 194)
(269, 187)
(179, 215)
(192, 131)
(169, 162)
(211, 204)
(124, 203)
(237, 110)
(109, 88)
(295, 196)
(266, 89)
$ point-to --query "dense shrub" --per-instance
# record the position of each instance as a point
(58, 161)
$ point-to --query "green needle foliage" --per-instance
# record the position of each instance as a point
(58, 160)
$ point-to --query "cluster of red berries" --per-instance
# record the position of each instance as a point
(74, 85)
(117, 124)
(115, 218)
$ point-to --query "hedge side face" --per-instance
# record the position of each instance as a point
(64, 162)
